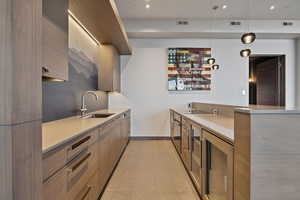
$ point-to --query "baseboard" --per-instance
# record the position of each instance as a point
(150, 138)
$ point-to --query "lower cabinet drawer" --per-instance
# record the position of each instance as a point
(91, 190)
(78, 175)
(56, 186)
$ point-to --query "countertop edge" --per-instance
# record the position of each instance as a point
(79, 134)
(266, 111)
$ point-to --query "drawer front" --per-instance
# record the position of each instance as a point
(78, 146)
(78, 174)
(57, 159)
(57, 185)
(53, 161)
(94, 159)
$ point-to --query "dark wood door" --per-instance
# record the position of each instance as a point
(268, 82)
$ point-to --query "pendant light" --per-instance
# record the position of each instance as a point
(215, 67)
(211, 61)
(249, 37)
(245, 53)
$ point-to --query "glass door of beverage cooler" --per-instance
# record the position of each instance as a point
(196, 149)
(218, 168)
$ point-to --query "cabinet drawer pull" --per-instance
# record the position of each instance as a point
(86, 193)
(74, 146)
(80, 162)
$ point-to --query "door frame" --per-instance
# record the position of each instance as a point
(281, 76)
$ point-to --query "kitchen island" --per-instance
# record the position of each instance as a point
(233, 152)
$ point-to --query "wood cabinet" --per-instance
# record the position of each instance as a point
(109, 72)
(80, 169)
(125, 128)
(55, 39)
(103, 21)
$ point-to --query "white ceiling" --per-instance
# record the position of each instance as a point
(202, 9)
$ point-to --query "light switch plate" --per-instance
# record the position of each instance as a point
(244, 92)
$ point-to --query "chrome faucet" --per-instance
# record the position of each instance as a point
(83, 108)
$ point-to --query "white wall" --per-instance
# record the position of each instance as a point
(144, 79)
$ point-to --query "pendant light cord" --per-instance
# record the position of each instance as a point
(249, 15)
(211, 28)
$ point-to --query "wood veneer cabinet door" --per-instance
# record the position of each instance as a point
(105, 158)
(109, 72)
(55, 39)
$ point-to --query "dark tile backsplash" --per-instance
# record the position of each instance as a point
(63, 99)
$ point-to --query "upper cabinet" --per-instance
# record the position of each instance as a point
(109, 71)
(102, 20)
(55, 39)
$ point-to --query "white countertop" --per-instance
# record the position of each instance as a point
(59, 132)
(221, 125)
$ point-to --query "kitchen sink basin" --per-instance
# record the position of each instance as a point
(102, 115)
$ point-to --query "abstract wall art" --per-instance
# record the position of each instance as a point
(188, 69)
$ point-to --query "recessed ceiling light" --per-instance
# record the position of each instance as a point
(272, 7)
(224, 7)
(147, 6)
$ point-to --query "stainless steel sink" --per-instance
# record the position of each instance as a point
(102, 115)
(99, 115)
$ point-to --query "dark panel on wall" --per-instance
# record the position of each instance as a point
(63, 99)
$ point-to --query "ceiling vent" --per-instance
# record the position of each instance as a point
(287, 23)
(235, 23)
(182, 22)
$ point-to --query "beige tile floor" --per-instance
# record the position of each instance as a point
(150, 170)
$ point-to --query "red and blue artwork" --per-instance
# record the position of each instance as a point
(188, 69)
